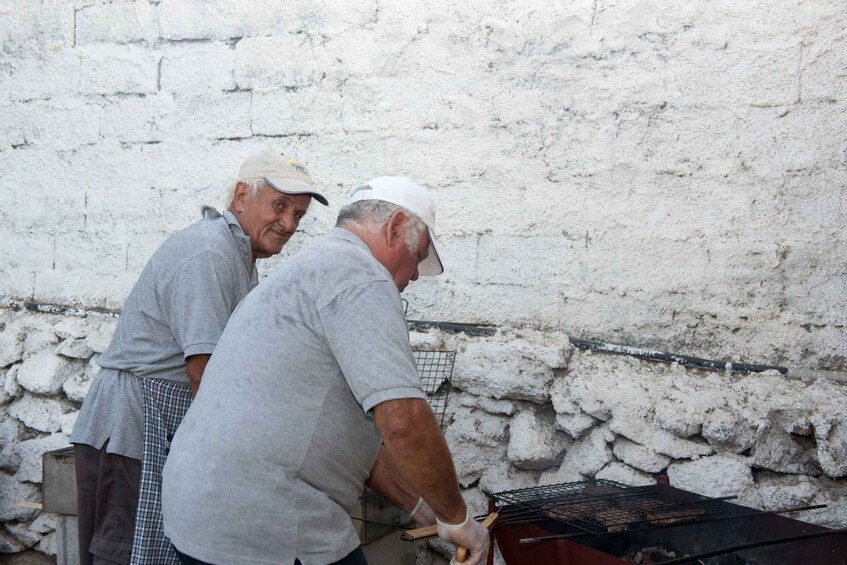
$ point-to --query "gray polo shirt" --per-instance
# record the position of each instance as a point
(177, 308)
(275, 449)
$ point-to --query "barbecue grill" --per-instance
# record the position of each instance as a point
(603, 522)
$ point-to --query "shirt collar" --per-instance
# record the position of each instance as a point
(241, 240)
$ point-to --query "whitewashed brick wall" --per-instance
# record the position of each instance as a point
(670, 174)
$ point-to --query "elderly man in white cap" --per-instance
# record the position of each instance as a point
(169, 326)
(312, 393)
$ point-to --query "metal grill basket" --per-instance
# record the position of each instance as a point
(435, 369)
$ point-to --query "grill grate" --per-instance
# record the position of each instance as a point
(601, 506)
(435, 369)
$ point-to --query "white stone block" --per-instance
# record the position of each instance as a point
(31, 452)
(822, 74)
(226, 116)
(12, 491)
(11, 346)
(639, 456)
(477, 441)
(500, 475)
(308, 68)
(116, 22)
(728, 431)
(639, 430)
(72, 328)
(27, 74)
(74, 349)
(38, 413)
(11, 388)
(715, 476)
(113, 69)
(832, 451)
(9, 544)
(22, 533)
(63, 122)
(29, 27)
(136, 119)
(779, 451)
(45, 372)
(39, 339)
(67, 421)
(76, 387)
(534, 443)
(47, 545)
(10, 431)
(44, 524)
(200, 68)
(616, 471)
(575, 425)
(672, 416)
(517, 370)
(98, 340)
(588, 455)
(307, 110)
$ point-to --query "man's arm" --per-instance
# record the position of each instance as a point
(194, 367)
(416, 448)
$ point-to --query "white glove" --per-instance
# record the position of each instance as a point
(422, 514)
(469, 534)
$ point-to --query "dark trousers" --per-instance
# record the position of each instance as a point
(107, 495)
(357, 557)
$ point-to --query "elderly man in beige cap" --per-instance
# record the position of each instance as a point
(168, 328)
(312, 393)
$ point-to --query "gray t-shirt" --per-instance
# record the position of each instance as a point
(177, 308)
(275, 449)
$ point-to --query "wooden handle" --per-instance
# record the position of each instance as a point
(488, 523)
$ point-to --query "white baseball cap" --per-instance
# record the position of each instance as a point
(414, 198)
(283, 173)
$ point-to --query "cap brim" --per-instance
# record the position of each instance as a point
(293, 186)
(431, 266)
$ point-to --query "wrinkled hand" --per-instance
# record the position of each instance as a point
(422, 514)
(469, 534)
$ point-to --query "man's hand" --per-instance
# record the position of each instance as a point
(194, 367)
(469, 534)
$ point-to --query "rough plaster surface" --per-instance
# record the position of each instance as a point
(659, 175)
(669, 176)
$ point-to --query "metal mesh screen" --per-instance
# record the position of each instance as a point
(435, 369)
(604, 506)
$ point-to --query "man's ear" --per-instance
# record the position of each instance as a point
(396, 227)
(240, 197)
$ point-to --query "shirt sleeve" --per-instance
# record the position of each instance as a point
(200, 298)
(365, 328)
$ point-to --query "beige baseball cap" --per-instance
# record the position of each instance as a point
(414, 198)
(286, 174)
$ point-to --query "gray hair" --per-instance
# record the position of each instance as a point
(372, 215)
(254, 185)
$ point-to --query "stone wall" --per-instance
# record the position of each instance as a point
(525, 409)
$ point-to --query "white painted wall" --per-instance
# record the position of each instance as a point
(658, 173)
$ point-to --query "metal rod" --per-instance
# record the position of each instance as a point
(709, 364)
(690, 558)
(527, 541)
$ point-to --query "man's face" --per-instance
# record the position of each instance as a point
(271, 219)
(406, 265)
